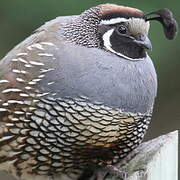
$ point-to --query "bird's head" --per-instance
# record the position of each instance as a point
(124, 31)
(121, 30)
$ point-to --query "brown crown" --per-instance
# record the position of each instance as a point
(109, 11)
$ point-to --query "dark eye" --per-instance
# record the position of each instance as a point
(122, 29)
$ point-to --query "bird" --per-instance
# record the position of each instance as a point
(79, 92)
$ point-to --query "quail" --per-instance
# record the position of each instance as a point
(78, 93)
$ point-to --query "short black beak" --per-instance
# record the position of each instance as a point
(144, 42)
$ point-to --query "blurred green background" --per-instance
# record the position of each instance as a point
(19, 18)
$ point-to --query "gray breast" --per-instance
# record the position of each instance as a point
(102, 77)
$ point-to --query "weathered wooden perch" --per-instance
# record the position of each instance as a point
(155, 160)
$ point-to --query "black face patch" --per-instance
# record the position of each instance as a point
(126, 46)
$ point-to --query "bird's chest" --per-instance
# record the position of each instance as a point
(52, 135)
(100, 77)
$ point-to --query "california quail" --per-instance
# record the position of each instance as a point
(79, 92)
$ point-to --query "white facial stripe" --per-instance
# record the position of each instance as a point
(114, 21)
(107, 44)
(106, 39)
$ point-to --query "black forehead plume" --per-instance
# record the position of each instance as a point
(165, 17)
(110, 11)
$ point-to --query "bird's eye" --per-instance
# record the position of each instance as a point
(122, 29)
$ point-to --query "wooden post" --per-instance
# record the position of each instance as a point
(154, 160)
